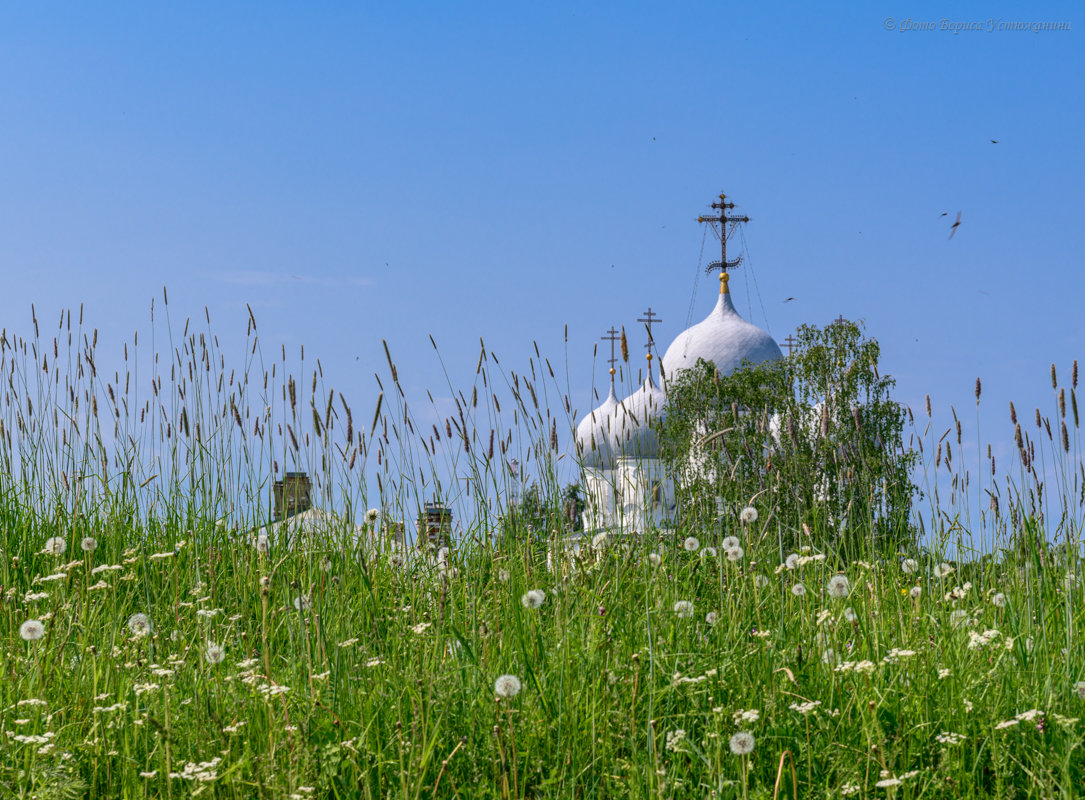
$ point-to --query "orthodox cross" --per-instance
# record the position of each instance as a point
(649, 319)
(789, 343)
(613, 335)
(723, 206)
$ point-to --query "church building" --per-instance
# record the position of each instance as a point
(626, 487)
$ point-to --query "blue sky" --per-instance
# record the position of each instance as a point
(359, 172)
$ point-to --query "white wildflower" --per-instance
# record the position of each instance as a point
(805, 708)
(674, 739)
(948, 738)
(978, 640)
(749, 715)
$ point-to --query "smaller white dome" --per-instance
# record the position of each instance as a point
(596, 434)
(637, 439)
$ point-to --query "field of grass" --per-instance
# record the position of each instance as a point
(149, 650)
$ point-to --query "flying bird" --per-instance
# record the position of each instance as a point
(943, 214)
(994, 141)
(957, 224)
(788, 300)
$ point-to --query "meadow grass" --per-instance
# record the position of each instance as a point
(173, 657)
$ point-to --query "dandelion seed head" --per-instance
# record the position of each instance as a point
(798, 590)
(55, 546)
(262, 543)
(371, 515)
(748, 515)
(655, 559)
(915, 592)
(503, 575)
(736, 554)
(507, 686)
(31, 630)
(684, 609)
(742, 743)
(89, 544)
(909, 565)
(533, 598)
(711, 617)
(850, 615)
(729, 542)
(302, 603)
(215, 653)
(709, 552)
(998, 600)
(1079, 690)
(140, 625)
(691, 544)
(792, 561)
(838, 586)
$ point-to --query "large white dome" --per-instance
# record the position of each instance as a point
(596, 434)
(723, 338)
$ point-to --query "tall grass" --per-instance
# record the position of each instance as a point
(343, 667)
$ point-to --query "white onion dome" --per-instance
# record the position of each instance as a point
(596, 434)
(723, 338)
(636, 438)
